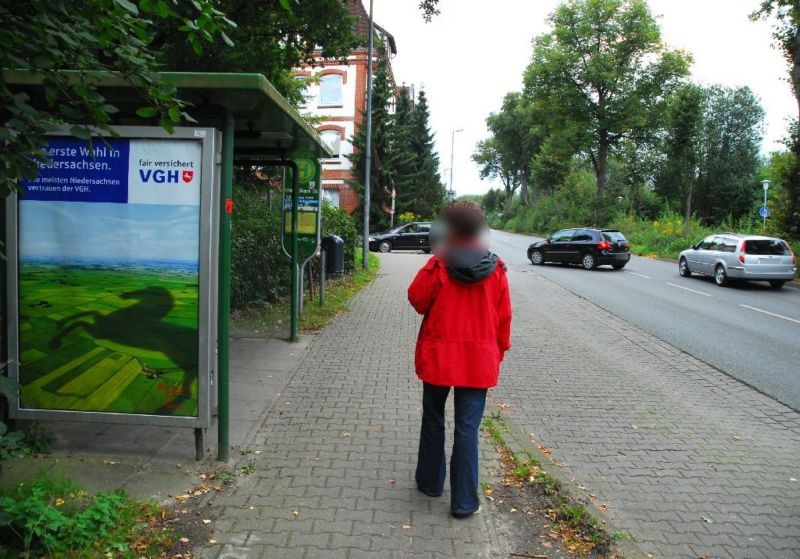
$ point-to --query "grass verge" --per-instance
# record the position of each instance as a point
(571, 521)
(273, 317)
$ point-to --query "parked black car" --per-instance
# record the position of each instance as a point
(411, 236)
(588, 247)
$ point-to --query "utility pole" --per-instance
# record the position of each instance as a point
(452, 153)
(368, 155)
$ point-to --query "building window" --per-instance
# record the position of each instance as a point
(331, 196)
(330, 90)
(332, 140)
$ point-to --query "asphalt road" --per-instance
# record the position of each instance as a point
(749, 331)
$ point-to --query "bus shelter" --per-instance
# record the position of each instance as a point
(119, 253)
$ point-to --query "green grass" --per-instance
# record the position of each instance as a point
(110, 340)
(338, 292)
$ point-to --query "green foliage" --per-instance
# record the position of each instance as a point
(380, 173)
(260, 270)
(259, 267)
(55, 518)
(336, 221)
(271, 38)
(785, 16)
(48, 36)
(601, 73)
(403, 156)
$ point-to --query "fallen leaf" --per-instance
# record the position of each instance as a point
(736, 438)
(296, 513)
(391, 481)
(184, 540)
(212, 542)
(707, 520)
(206, 521)
(406, 527)
(792, 479)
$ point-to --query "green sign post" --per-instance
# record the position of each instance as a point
(302, 193)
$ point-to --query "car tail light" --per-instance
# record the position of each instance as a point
(742, 251)
(604, 245)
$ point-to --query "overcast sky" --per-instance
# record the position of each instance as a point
(468, 57)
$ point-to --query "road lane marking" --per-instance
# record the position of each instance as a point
(640, 275)
(687, 289)
(770, 313)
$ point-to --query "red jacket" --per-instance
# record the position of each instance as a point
(466, 329)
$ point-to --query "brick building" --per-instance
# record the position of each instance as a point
(337, 94)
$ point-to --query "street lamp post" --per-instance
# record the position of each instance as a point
(368, 147)
(765, 184)
(452, 153)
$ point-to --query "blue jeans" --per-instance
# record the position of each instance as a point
(431, 466)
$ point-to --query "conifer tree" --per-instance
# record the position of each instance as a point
(380, 172)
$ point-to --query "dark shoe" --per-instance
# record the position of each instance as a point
(462, 515)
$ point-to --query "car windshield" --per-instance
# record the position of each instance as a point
(767, 246)
(613, 236)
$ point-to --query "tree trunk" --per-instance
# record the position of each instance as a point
(687, 216)
(523, 188)
(601, 168)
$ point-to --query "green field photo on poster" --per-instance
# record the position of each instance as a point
(108, 307)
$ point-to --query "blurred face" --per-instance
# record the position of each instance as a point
(442, 238)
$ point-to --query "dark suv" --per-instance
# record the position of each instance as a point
(588, 247)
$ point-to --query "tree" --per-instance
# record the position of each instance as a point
(601, 73)
(47, 36)
(787, 36)
(403, 159)
(516, 137)
(684, 124)
(429, 192)
(731, 141)
(269, 40)
(492, 201)
(380, 169)
(494, 165)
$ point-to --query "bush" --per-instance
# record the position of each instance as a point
(260, 270)
(55, 518)
(336, 221)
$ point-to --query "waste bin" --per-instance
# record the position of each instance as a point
(333, 246)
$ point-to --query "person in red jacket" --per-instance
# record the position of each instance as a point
(462, 292)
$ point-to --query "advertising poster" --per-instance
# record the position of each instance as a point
(108, 278)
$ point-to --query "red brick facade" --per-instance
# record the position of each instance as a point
(347, 118)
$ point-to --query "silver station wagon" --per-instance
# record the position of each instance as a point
(730, 256)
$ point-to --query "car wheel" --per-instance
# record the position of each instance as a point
(385, 246)
(777, 284)
(537, 257)
(588, 261)
(618, 266)
(683, 268)
(721, 276)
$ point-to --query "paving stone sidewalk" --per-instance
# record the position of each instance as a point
(691, 462)
(335, 473)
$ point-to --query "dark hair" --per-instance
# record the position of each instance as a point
(465, 220)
